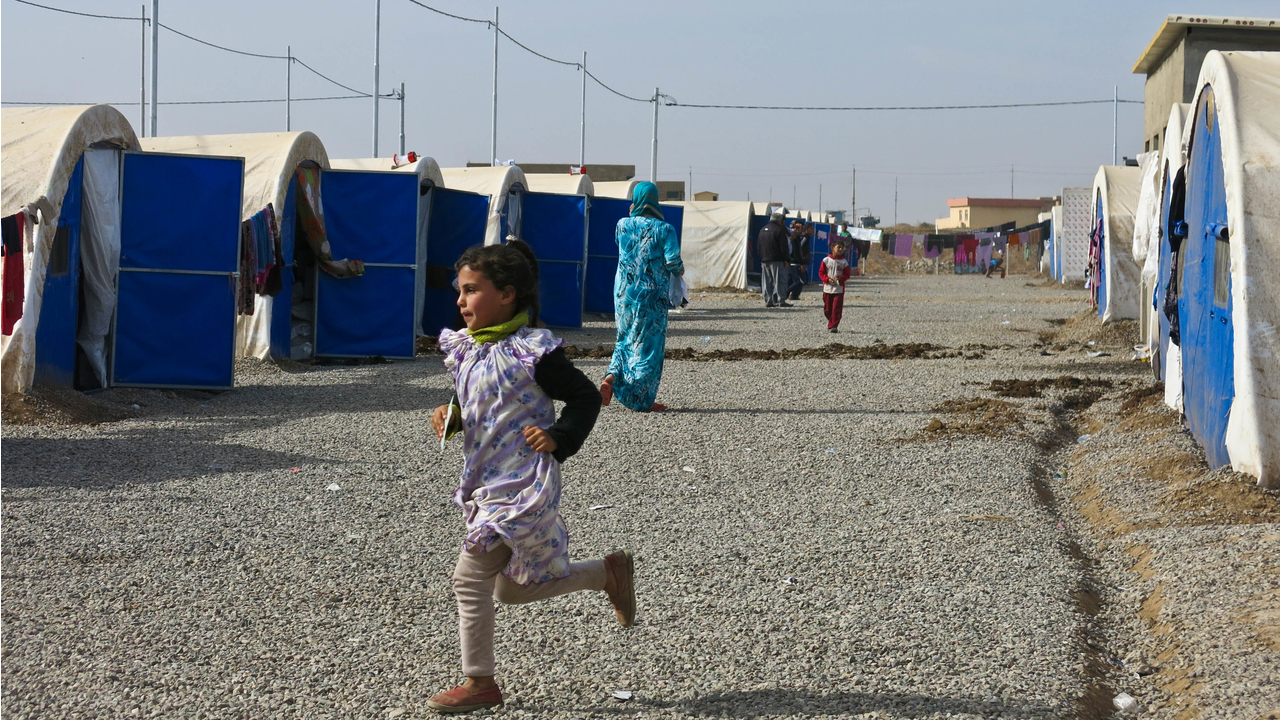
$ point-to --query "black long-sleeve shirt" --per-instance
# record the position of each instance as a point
(560, 380)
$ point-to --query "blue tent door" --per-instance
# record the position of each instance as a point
(555, 226)
(369, 216)
(602, 253)
(457, 221)
(60, 309)
(1205, 306)
(175, 320)
(1102, 260)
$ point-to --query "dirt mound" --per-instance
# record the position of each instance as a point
(1035, 388)
(833, 351)
(1086, 326)
(54, 405)
(1227, 502)
(971, 416)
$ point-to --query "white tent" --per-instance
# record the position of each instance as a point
(1117, 187)
(1173, 157)
(41, 147)
(1245, 89)
(1146, 230)
(714, 243)
(496, 182)
(620, 189)
(560, 184)
(270, 160)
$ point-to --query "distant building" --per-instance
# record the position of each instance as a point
(667, 189)
(1172, 61)
(967, 212)
(706, 195)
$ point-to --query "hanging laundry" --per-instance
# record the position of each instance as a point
(984, 255)
(902, 246)
(246, 285)
(13, 281)
(933, 246)
(274, 282)
(886, 241)
(1002, 242)
(311, 215)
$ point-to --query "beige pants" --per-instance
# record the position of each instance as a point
(478, 580)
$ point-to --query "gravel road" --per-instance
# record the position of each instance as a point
(284, 549)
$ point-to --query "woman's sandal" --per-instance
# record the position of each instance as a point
(658, 407)
(622, 566)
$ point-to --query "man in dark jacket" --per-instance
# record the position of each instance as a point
(801, 238)
(775, 249)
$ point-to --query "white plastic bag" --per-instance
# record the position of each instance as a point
(677, 292)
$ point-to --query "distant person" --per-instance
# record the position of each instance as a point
(506, 375)
(774, 247)
(834, 272)
(996, 263)
(648, 256)
(801, 239)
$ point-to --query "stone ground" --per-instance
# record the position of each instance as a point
(915, 536)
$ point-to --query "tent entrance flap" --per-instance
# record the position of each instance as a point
(179, 255)
(370, 216)
(555, 226)
(458, 221)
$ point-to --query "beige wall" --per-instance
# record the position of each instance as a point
(981, 217)
(1164, 88)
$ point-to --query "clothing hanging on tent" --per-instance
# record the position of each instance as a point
(13, 287)
(248, 263)
(311, 217)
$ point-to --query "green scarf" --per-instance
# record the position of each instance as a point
(498, 333)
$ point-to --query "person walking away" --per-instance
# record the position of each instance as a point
(774, 247)
(506, 373)
(648, 256)
(834, 272)
(801, 239)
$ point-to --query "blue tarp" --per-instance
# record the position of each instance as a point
(60, 309)
(371, 217)
(602, 253)
(282, 304)
(1102, 257)
(1205, 306)
(1162, 282)
(180, 232)
(457, 222)
(555, 226)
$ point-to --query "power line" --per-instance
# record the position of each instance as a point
(84, 14)
(392, 95)
(672, 103)
(507, 35)
(220, 47)
(335, 82)
(455, 17)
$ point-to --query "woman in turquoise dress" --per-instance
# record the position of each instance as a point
(648, 255)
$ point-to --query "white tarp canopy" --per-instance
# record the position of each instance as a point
(270, 161)
(496, 182)
(1246, 91)
(1146, 230)
(426, 168)
(1118, 187)
(560, 184)
(714, 243)
(620, 189)
(1173, 157)
(41, 147)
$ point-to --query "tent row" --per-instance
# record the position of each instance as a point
(1186, 244)
(157, 262)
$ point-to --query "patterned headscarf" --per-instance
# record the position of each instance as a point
(644, 201)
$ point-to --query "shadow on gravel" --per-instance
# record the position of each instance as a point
(757, 703)
(61, 462)
(786, 411)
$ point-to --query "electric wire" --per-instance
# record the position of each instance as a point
(391, 95)
(455, 17)
(672, 103)
(220, 47)
(84, 14)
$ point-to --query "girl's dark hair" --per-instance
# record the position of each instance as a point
(511, 265)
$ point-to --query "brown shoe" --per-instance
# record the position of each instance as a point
(623, 567)
(461, 700)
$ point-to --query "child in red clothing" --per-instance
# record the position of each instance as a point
(834, 271)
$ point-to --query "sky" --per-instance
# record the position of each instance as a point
(810, 53)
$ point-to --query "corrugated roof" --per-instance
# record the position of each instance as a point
(1174, 25)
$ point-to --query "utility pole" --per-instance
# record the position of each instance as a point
(493, 142)
(1011, 195)
(689, 194)
(895, 201)
(377, 51)
(653, 161)
(155, 62)
(793, 197)
(1115, 122)
(819, 202)
(582, 137)
(402, 118)
(288, 89)
(854, 197)
(142, 87)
